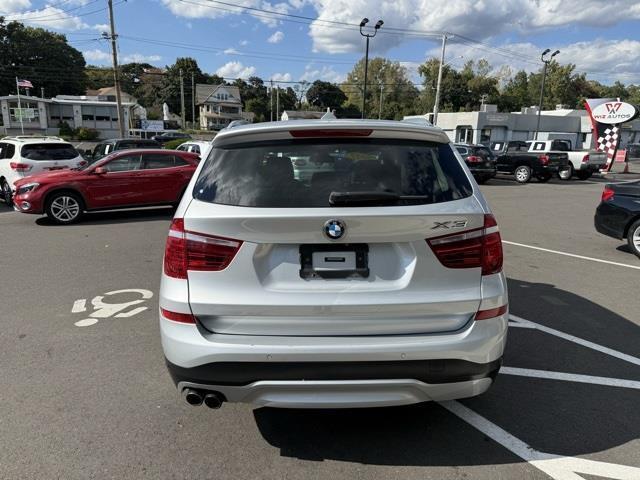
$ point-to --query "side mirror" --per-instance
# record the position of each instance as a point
(100, 171)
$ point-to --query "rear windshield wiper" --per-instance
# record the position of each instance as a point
(370, 199)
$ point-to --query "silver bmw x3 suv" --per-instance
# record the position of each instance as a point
(332, 263)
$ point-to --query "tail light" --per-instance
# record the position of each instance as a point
(607, 194)
(20, 167)
(187, 250)
(491, 313)
(585, 159)
(474, 159)
(544, 159)
(178, 317)
(323, 133)
(481, 247)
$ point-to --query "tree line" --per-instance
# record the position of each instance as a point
(49, 61)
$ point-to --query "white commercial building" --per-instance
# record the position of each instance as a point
(489, 125)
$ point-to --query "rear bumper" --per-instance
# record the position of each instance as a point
(323, 372)
(344, 394)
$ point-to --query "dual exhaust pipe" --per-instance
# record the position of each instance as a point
(195, 398)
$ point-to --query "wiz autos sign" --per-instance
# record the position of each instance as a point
(613, 112)
(607, 114)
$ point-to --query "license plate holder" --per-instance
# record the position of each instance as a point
(334, 261)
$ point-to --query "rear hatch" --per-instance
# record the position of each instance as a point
(47, 157)
(328, 237)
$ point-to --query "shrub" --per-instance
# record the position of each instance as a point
(84, 133)
(173, 144)
(65, 129)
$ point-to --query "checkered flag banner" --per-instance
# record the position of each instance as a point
(608, 143)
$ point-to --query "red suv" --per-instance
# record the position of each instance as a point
(125, 179)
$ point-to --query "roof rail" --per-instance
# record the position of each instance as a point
(31, 137)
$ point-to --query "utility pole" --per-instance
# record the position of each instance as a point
(182, 114)
(436, 104)
(277, 102)
(381, 93)
(116, 76)
(41, 92)
(271, 100)
(193, 101)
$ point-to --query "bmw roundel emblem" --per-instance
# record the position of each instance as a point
(334, 229)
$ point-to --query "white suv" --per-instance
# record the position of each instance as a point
(23, 156)
(332, 264)
(200, 147)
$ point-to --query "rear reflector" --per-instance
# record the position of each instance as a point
(585, 159)
(322, 133)
(544, 159)
(187, 250)
(481, 247)
(474, 159)
(607, 194)
(178, 317)
(491, 313)
(20, 167)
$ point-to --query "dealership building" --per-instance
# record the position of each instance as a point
(488, 125)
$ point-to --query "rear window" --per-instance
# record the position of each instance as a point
(303, 174)
(49, 151)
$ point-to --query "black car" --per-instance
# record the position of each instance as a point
(618, 214)
(479, 159)
(169, 136)
(106, 147)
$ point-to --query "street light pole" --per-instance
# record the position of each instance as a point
(366, 59)
(544, 77)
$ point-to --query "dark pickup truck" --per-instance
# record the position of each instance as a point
(514, 158)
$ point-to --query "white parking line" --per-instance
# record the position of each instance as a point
(573, 255)
(522, 323)
(570, 377)
(556, 466)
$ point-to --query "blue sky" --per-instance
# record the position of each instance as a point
(601, 38)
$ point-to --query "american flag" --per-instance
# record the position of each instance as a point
(25, 84)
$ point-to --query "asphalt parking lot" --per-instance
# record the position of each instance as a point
(86, 393)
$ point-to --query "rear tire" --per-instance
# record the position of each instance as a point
(566, 174)
(522, 174)
(7, 195)
(584, 174)
(64, 208)
(633, 238)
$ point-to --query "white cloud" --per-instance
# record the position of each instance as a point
(281, 77)
(326, 74)
(603, 60)
(244, 43)
(202, 10)
(140, 58)
(230, 51)
(96, 56)
(100, 27)
(277, 37)
(14, 6)
(477, 19)
(49, 17)
(235, 70)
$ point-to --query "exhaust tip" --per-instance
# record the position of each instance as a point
(193, 397)
(213, 400)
